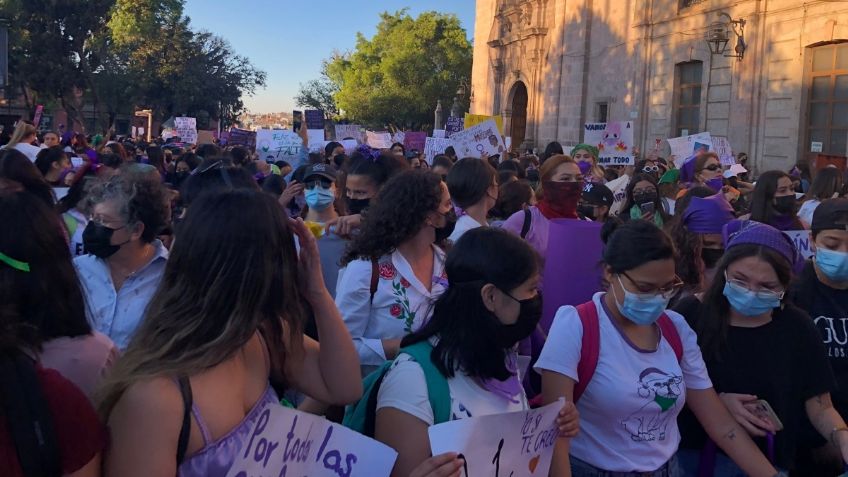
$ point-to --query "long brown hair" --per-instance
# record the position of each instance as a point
(232, 271)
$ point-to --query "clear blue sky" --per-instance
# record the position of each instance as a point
(288, 39)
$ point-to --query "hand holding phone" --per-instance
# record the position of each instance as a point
(762, 409)
(647, 208)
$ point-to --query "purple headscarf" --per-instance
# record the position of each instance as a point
(708, 215)
(739, 232)
(687, 171)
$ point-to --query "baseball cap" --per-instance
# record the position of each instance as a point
(831, 214)
(734, 171)
(597, 194)
(320, 169)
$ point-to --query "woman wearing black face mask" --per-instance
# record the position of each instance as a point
(393, 267)
(773, 201)
(488, 307)
(643, 201)
(124, 261)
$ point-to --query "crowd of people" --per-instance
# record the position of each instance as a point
(156, 298)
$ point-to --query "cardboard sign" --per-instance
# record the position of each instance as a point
(803, 240)
(378, 140)
(439, 133)
(205, 137)
(414, 140)
(186, 129)
(314, 119)
(277, 144)
(285, 442)
(614, 141)
(453, 126)
(242, 137)
(472, 120)
(721, 146)
(684, 147)
(433, 146)
(348, 131)
(474, 141)
(517, 443)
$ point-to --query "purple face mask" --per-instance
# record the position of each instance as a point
(585, 167)
(715, 184)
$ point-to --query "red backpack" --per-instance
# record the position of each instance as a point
(591, 344)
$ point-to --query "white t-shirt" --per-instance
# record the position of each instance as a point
(628, 412)
(463, 224)
(404, 388)
(29, 150)
(805, 213)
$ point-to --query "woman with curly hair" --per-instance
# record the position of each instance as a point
(394, 270)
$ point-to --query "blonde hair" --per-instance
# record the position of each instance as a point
(22, 131)
(547, 170)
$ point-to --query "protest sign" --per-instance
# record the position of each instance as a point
(285, 442)
(684, 147)
(517, 443)
(438, 133)
(242, 137)
(721, 146)
(471, 120)
(378, 140)
(36, 120)
(619, 193)
(398, 136)
(433, 146)
(803, 241)
(614, 141)
(314, 119)
(205, 137)
(349, 145)
(508, 143)
(414, 140)
(474, 141)
(348, 131)
(277, 144)
(315, 139)
(576, 243)
(454, 125)
(186, 129)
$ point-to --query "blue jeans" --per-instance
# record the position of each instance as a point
(583, 469)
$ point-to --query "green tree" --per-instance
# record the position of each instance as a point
(395, 78)
(319, 93)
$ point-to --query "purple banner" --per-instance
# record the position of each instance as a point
(414, 140)
(242, 137)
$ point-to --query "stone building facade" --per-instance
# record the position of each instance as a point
(549, 66)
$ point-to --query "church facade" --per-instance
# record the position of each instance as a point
(779, 91)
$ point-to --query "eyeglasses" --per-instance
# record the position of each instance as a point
(764, 293)
(667, 291)
(313, 183)
(713, 167)
(650, 169)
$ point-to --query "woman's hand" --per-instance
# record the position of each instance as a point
(736, 404)
(294, 189)
(344, 226)
(568, 420)
(309, 262)
(443, 465)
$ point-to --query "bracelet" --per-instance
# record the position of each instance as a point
(834, 431)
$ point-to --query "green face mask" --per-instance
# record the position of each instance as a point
(665, 403)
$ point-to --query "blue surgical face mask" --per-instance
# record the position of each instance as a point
(640, 309)
(833, 264)
(319, 198)
(750, 303)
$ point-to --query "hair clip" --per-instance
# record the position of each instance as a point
(16, 264)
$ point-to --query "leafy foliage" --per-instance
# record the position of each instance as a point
(319, 93)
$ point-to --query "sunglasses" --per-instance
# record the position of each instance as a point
(313, 183)
(650, 169)
(713, 168)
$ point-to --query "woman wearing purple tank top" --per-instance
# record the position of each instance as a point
(226, 321)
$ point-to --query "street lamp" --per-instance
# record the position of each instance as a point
(718, 36)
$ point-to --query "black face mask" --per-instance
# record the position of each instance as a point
(356, 206)
(528, 317)
(645, 198)
(97, 240)
(711, 256)
(587, 211)
(444, 232)
(180, 177)
(785, 204)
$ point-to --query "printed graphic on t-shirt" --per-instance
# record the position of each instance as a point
(660, 391)
(834, 332)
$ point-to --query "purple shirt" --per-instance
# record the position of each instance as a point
(537, 235)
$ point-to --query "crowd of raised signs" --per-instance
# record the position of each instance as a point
(160, 302)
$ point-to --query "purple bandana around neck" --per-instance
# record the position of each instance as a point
(509, 389)
(707, 215)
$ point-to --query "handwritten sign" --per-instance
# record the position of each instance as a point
(241, 137)
(474, 141)
(399, 136)
(517, 443)
(433, 146)
(721, 146)
(414, 140)
(472, 120)
(439, 133)
(285, 442)
(348, 131)
(315, 139)
(614, 141)
(619, 192)
(186, 129)
(314, 119)
(684, 147)
(453, 126)
(803, 240)
(349, 145)
(277, 144)
(378, 140)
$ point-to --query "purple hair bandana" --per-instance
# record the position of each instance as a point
(708, 215)
(739, 232)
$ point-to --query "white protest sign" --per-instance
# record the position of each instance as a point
(348, 131)
(477, 139)
(186, 129)
(315, 139)
(378, 140)
(433, 146)
(438, 133)
(619, 192)
(399, 136)
(518, 443)
(721, 146)
(277, 144)
(614, 141)
(349, 145)
(285, 442)
(803, 240)
(684, 147)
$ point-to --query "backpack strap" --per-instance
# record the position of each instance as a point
(590, 347)
(528, 218)
(375, 277)
(185, 430)
(669, 332)
(437, 385)
(28, 417)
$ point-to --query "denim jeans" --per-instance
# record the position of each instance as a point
(583, 469)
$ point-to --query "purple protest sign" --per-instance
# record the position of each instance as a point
(572, 265)
(454, 125)
(314, 119)
(414, 140)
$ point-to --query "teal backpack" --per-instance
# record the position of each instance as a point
(361, 415)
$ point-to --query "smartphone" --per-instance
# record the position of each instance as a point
(762, 409)
(297, 120)
(647, 208)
